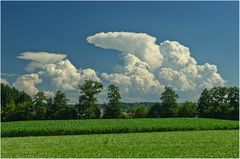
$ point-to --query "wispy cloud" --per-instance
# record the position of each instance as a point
(9, 74)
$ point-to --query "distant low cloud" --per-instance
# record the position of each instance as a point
(27, 83)
(49, 94)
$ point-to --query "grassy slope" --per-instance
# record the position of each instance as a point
(96, 126)
(212, 143)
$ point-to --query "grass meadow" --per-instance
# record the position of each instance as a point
(180, 144)
(121, 138)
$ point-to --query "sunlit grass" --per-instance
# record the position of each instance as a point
(200, 144)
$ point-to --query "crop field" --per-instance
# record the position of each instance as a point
(107, 126)
(201, 144)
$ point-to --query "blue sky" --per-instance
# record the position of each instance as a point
(208, 29)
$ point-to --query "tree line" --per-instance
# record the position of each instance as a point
(218, 102)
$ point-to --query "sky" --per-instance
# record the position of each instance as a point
(138, 46)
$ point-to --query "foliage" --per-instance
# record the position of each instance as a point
(196, 144)
(58, 106)
(155, 111)
(138, 111)
(87, 101)
(103, 126)
(187, 109)
(12, 103)
(40, 106)
(219, 102)
(169, 102)
(113, 108)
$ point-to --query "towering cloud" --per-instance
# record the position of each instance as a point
(148, 67)
(27, 83)
(181, 71)
(136, 80)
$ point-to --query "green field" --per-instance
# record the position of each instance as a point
(190, 144)
(106, 126)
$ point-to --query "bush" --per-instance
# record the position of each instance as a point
(138, 111)
(187, 109)
(155, 111)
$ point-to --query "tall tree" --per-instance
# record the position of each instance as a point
(219, 102)
(87, 100)
(15, 105)
(113, 108)
(169, 102)
(9, 111)
(233, 97)
(40, 106)
(59, 106)
(204, 102)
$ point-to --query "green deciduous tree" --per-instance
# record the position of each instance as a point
(233, 97)
(87, 101)
(40, 106)
(9, 111)
(113, 108)
(169, 102)
(219, 102)
(15, 105)
(57, 106)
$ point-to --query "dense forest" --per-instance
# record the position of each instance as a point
(217, 102)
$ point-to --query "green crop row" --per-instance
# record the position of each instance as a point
(106, 126)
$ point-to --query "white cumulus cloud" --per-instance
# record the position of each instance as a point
(62, 73)
(135, 81)
(148, 67)
(27, 83)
